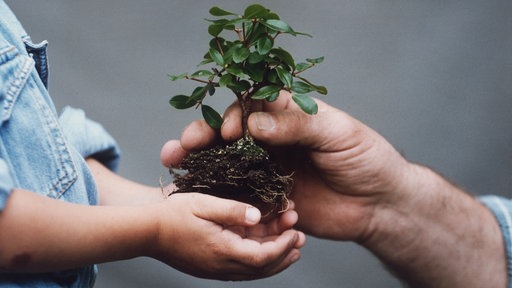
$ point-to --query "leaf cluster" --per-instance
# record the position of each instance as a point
(249, 64)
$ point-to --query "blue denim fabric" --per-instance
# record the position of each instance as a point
(502, 210)
(40, 151)
(38, 53)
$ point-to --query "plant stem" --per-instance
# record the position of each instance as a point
(295, 73)
(219, 46)
(198, 80)
(245, 103)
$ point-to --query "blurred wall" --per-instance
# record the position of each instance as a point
(434, 77)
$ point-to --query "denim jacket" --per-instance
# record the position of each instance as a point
(39, 150)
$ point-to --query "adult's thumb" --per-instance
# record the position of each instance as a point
(327, 130)
(287, 127)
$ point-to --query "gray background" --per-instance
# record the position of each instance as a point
(434, 77)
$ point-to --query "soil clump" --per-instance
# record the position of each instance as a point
(242, 171)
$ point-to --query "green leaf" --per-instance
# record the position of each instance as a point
(272, 15)
(301, 87)
(211, 116)
(284, 56)
(306, 103)
(272, 76)
(215, 43)
(255, 71)
(278, 25)
(302, 66)
(228, 55)
(218, 25)
(239, 86)
(315, 60)
(302, 33)
(235, 70)
(202, 73)
(237, 21)
(216, 11)
(211, 89)
(205, 61)
(266, 91)
(215, 29)
(240, 54)
(264, 44)
(255, 11)
(177, 77)
(320, 89)
(273, 97)
(227, 23)
(198, 93)
(254, 31)
(254, 57)
(216, 57)
(285, 76)
(181, 102)
(226, 80)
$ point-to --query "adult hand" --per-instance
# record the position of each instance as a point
(342, 168)
(221, 239)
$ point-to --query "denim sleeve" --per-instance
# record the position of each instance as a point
(502, 210)
(6, 183)
(89, 138)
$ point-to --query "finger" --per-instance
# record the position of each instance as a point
(242, 272)
(281, 128)
(226, 212)
(285, 221)
(294, 127)
(301, 241)
(172, 154)
(269, 230)
(276, 254)
(278, 266)
(232, 126)
(197, 135)
(231, 129)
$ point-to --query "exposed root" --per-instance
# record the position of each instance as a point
(242, 171)
(165, 193)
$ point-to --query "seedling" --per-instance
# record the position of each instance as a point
(251, 66)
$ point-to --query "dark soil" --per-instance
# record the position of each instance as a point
(241, 171)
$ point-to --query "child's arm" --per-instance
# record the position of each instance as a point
(116, 190)
(195, 233)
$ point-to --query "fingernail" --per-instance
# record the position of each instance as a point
(252, 215)
(225, 121)
(265, 122)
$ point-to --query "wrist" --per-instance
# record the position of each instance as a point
(150, 229)
(395, 211)
(127, 232)
(432, 234)
(124, 232)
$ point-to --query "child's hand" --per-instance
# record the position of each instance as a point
(210, 237)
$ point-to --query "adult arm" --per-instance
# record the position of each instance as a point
(351, 184)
